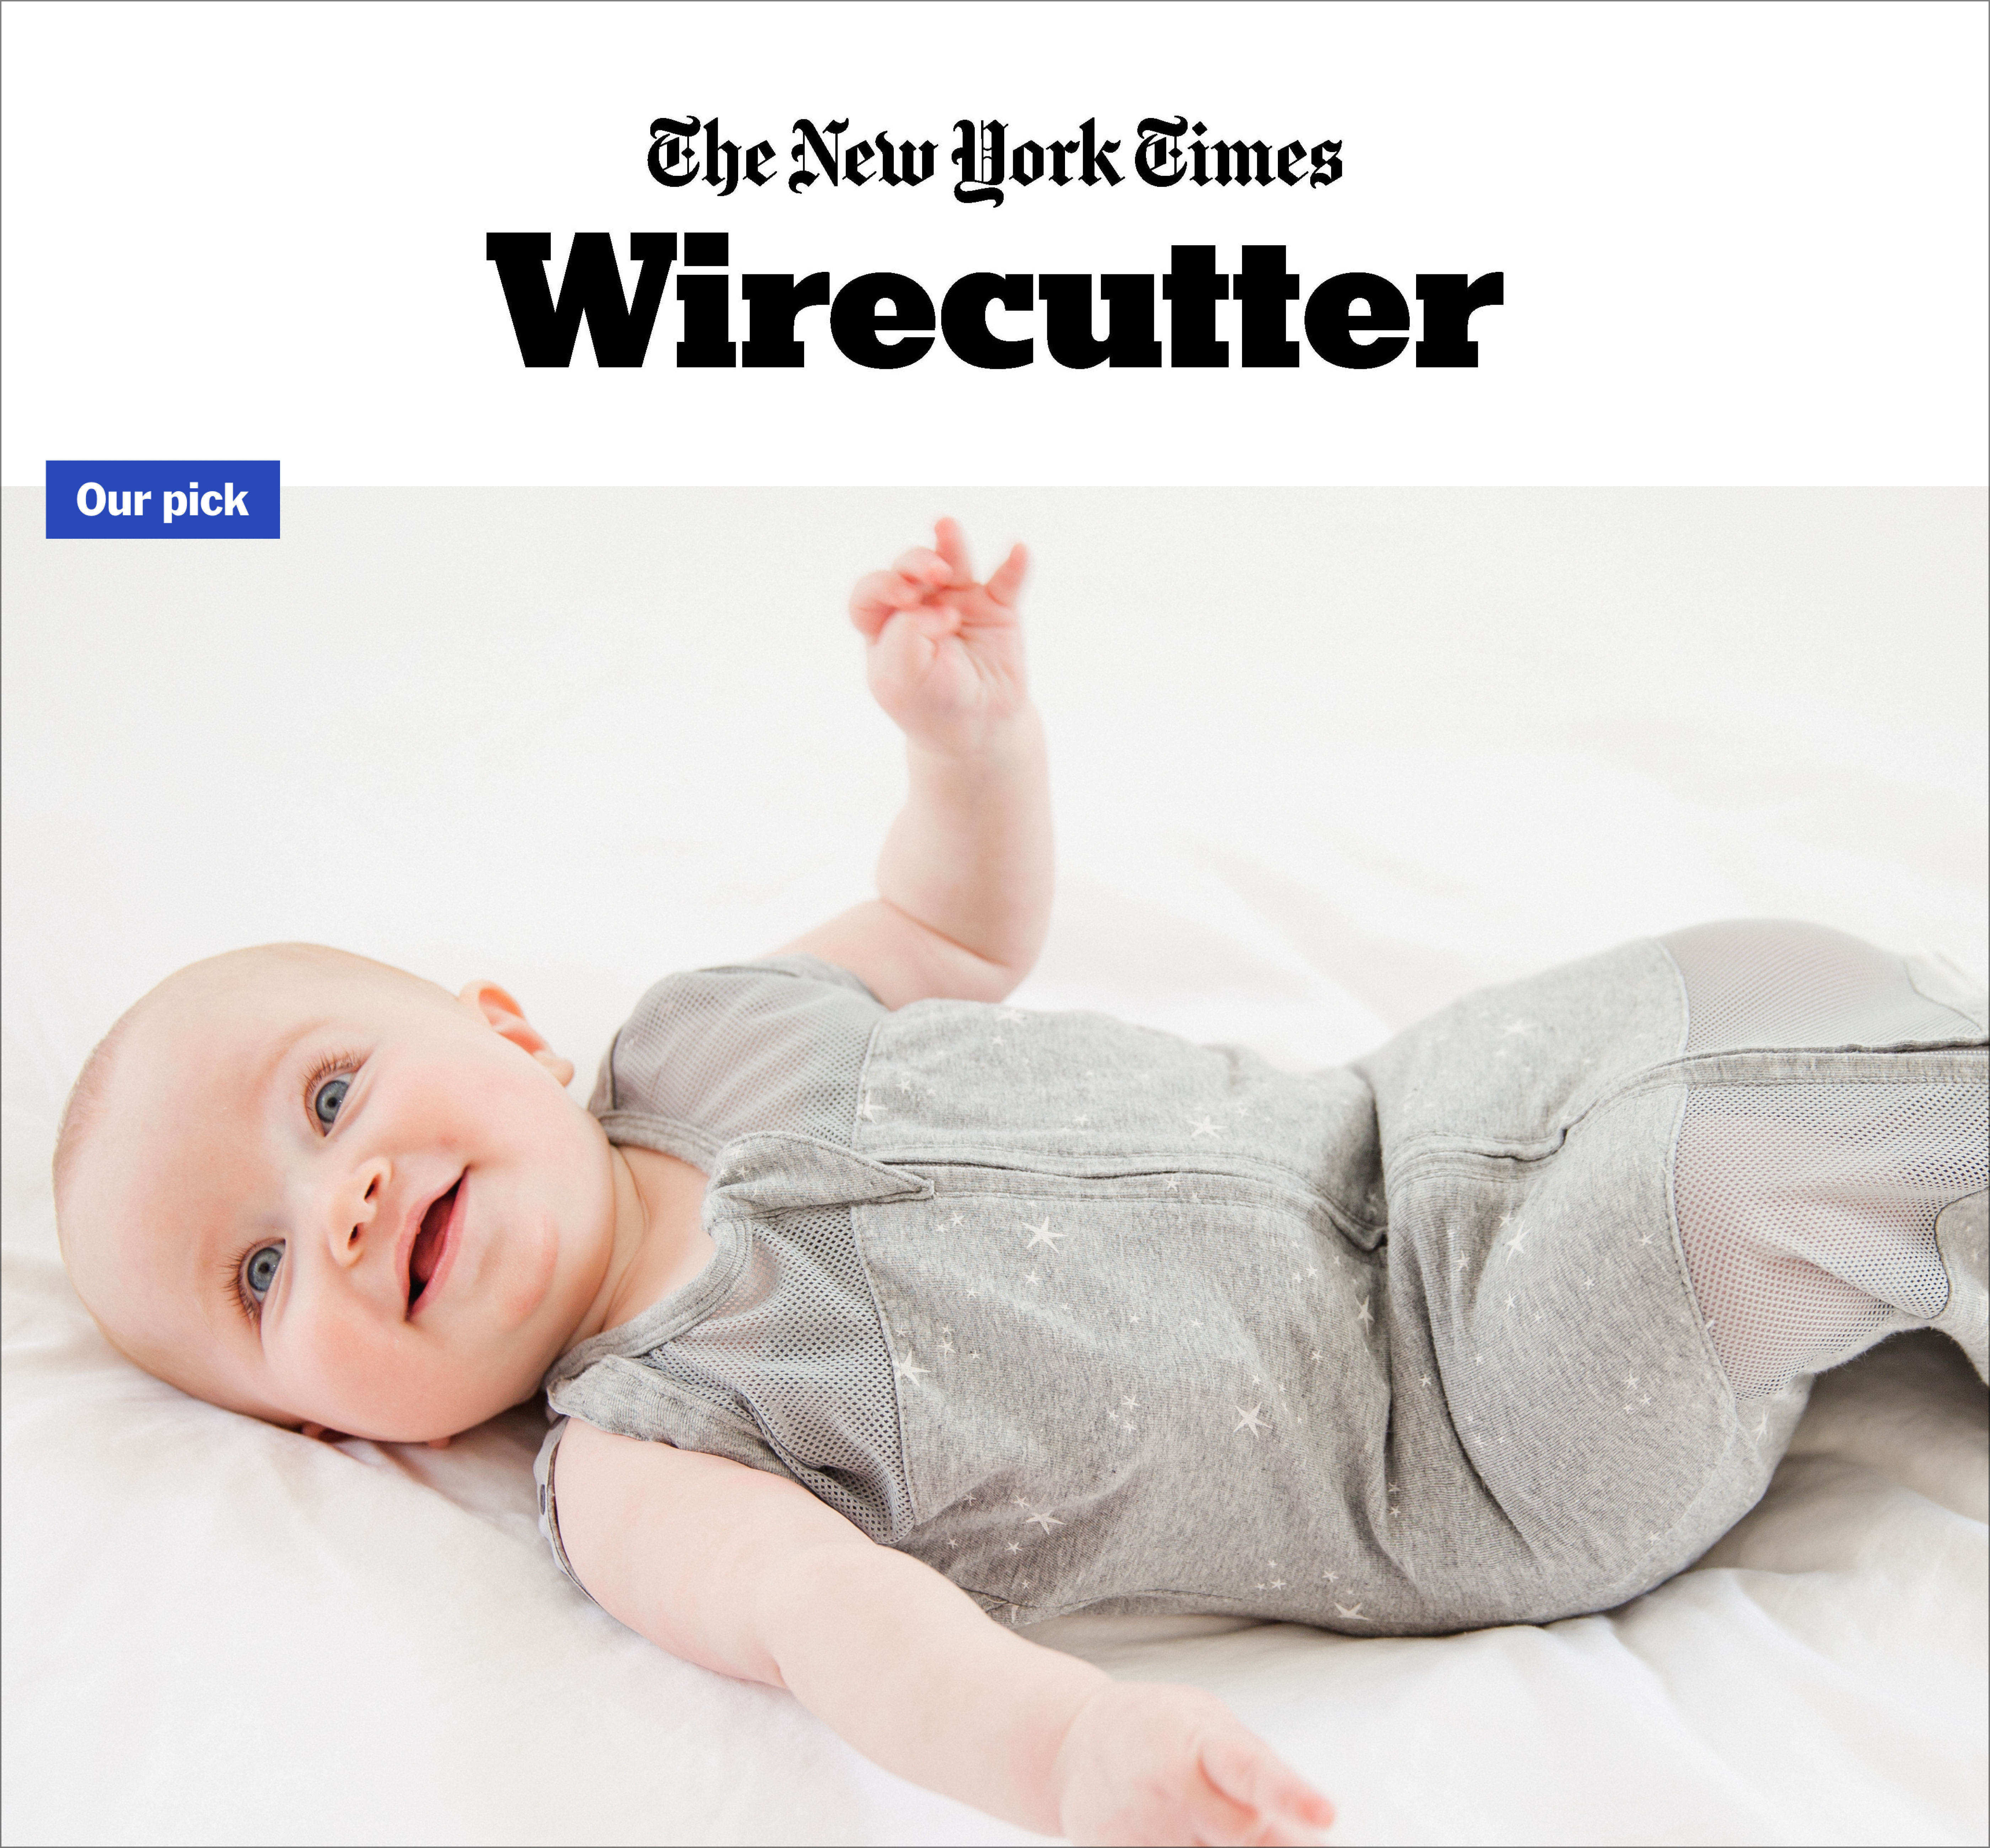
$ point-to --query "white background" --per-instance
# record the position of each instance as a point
(1742, 244)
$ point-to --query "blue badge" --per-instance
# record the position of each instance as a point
(164, 499)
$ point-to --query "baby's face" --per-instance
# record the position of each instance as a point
(324, 1191)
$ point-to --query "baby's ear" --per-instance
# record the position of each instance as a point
(507, 1020)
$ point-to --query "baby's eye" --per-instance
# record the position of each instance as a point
(259, 1271)
(329, 1096)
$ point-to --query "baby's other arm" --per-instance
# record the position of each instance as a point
(747, 1573)
(964, 880)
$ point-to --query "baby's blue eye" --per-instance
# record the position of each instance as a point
(260, 1272)
(330, 1094)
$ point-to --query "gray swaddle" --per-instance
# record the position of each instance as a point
(1085, 1316)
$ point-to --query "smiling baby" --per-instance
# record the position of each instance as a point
(868, 1309)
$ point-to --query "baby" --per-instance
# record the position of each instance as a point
(869, 1310)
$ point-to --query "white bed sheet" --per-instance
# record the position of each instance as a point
(1322, 761)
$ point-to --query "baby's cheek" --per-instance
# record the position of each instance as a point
(348, 1379)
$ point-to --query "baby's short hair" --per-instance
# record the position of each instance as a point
(83, 1111)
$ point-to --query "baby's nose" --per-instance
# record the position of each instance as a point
(356, 1210)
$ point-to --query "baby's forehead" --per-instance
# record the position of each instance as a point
(193, 1053)
(193, 1059)
(206, 1063)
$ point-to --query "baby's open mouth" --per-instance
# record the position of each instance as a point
(429, 1241)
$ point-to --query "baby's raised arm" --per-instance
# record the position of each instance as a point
(964, 880)
(749, 1575)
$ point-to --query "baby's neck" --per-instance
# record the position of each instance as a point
(660, 1242)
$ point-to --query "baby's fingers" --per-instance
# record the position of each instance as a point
(1282, 1805)
(1007, 577)
(925, 566)
(881, 596)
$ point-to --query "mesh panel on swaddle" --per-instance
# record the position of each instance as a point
(1770, 982)
(719, 1054)
(1807, 1214)
(797, 1342)
(727, 1056)
(1807, 1211)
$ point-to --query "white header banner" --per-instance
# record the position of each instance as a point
(1223, 244)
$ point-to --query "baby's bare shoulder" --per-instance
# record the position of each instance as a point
(611, 1482)
(683, 1546)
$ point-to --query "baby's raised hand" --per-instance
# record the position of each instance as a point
(944, 653)
(1146, 1761)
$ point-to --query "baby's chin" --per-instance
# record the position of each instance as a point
(410, 1423)
(404, 1419)
(521, 1289)
(413, 1416)
(431, 1430)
